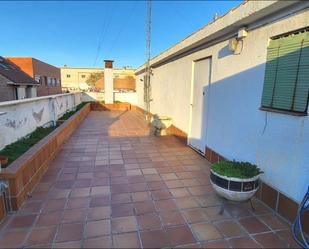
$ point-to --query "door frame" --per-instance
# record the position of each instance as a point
(191, 98)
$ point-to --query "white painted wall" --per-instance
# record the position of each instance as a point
(235, 127)
(129, 97)
(108, 86)
(18, 118)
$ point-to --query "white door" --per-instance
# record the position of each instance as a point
(200, 88)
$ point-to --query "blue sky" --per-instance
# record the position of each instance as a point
(83, 34)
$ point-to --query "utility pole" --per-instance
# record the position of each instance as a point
(147, 86)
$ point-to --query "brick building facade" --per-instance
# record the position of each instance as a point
(47, 75)
(14, 83)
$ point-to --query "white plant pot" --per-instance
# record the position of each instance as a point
(234, 189)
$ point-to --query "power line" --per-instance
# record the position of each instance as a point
(122, 27)
(105, 26)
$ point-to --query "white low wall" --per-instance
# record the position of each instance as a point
(129, 97)
(18, 118)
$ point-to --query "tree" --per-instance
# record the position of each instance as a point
(94, 78)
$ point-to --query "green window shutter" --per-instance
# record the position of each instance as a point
(286, 82)
(302, 87)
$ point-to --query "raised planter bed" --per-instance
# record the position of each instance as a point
(99, 106)
(26, 171)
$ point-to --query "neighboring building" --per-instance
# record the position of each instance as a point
(46, 75)
(14, 83)
(76, 79)
(239, 88)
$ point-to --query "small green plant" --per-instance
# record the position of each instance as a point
(67, 115)
(16, 149)
(236, 169)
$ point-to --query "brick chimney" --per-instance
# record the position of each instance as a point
(108, 82)
(108, 63)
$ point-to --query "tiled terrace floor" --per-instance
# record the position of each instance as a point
(115, 185)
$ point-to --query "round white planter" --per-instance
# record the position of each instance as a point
(234, 189)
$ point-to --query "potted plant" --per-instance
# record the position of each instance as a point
(3, 161)
(236, 181)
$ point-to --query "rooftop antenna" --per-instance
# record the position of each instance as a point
(147, 86)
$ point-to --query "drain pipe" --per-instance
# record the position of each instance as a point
(5, 192)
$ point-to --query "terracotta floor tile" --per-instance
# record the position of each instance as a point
(195, 215)
(80, 192)
(253, 225)
(153, 178)
(99, 213)
(287, 237)
(120, 210)
(22, 221)
(49, 219)
(208, 200)
(82, 183)
(31, 207)
(172, 218)
(69, 232)
(174, 184)
(213, 213)
(80, 202)
(154, 239)
(13, 239)
(121, 198)
(100, 190)
(206, 231)
(238, 210)
(161, 194)
(119, 180)
(148, 221)
(69, 244)
(186, 202)
(169, 176)
(100, 201)
(216, 244)
(64, 184)
(141, 196)
(179, 192)
(120, 188)
(100, 242)
(41, 236)
(136, 179)
(149, 171)
(200, 190)
(270, 240)
(157, 185)
(53, 205)
(244, 242)
(180, 236)
(164, 205)
(230, 229)
(126, 240)
(97, 228)
(138, 187)
(124, 224)
(74, 215)
(274, 222)
(144, 207)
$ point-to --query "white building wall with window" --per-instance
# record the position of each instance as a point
(235, 126)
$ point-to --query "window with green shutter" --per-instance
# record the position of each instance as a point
(286, 82)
